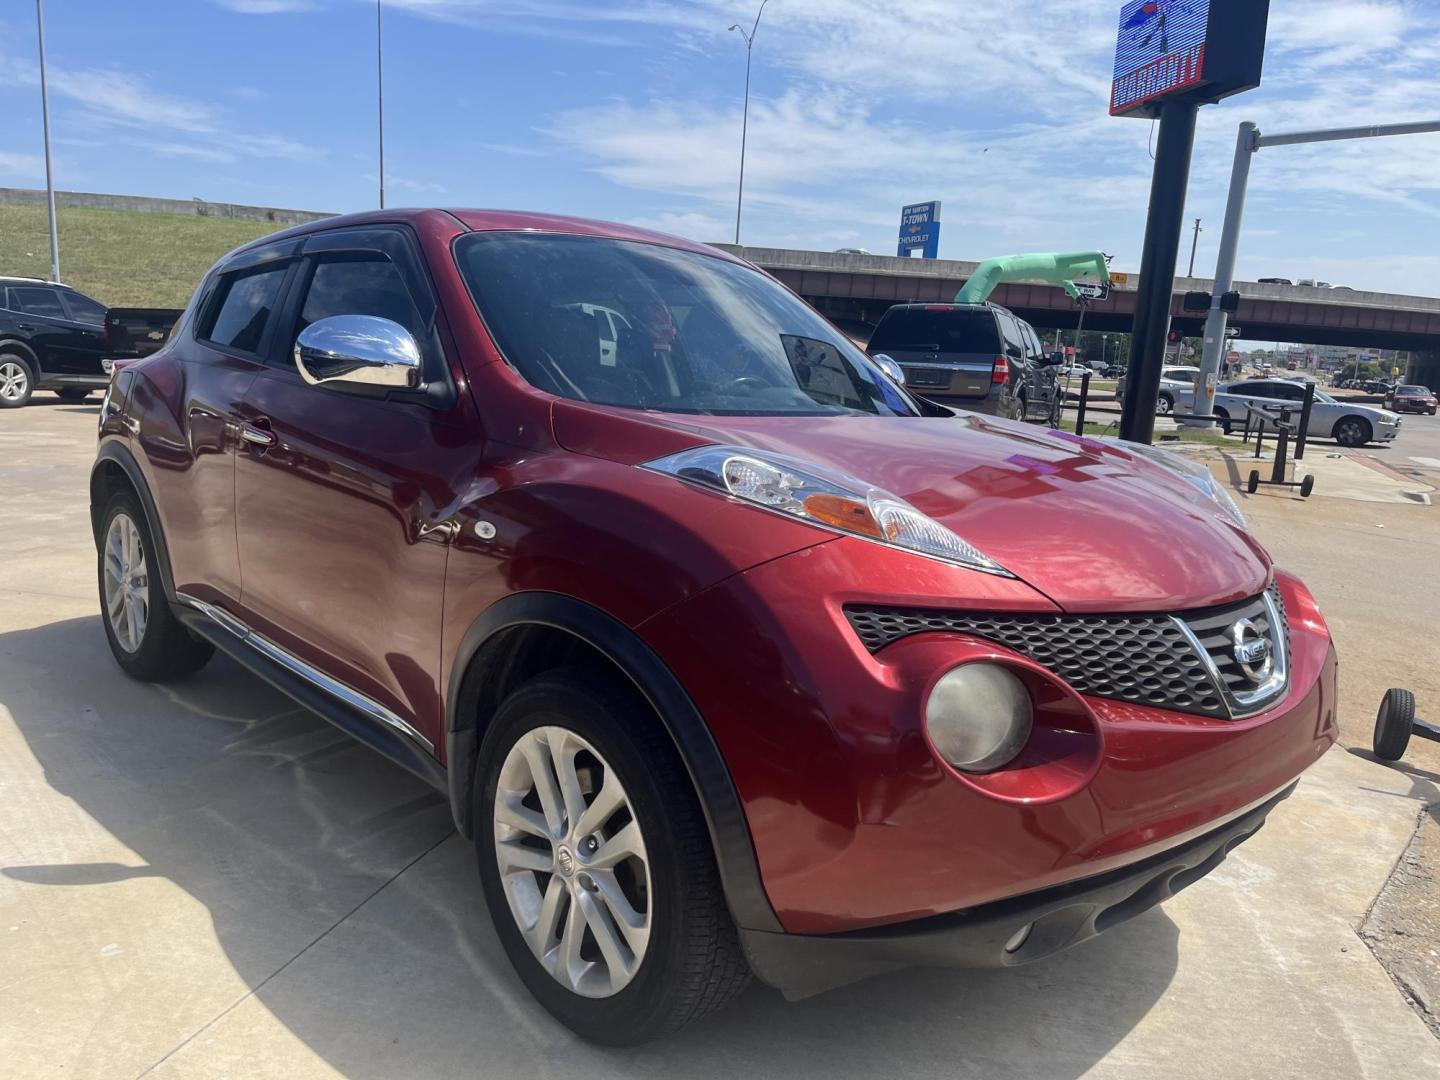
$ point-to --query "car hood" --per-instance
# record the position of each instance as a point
(1088, 523)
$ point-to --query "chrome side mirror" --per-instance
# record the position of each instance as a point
(888, 365)
(358, 350)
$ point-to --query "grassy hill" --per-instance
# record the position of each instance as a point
(123, 258)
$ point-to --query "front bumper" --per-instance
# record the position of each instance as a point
(858, 825)
(1018, 930)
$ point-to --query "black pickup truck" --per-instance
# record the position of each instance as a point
(55, 338)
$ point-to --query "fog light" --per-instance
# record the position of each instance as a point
(979, 717)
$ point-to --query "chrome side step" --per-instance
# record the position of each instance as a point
(347, 696)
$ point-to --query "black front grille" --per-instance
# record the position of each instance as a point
(1147, 659)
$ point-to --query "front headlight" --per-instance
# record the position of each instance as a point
(828, 499)
(1193, 473)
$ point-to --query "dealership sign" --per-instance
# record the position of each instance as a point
(920, 231)
(1194, 50)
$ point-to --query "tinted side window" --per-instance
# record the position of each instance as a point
(366, 284)
(1032, 341)
(83, 309)
(1010, 329)
(1245, 388)
(241, 308)
(38, 302)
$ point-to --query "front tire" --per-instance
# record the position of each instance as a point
(596, 862)
(1224, 418)
(148, 642)
(17, 381)
(1353, 431)
(1166, 405)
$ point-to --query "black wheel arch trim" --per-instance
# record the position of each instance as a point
(719, 800)
(115, 452)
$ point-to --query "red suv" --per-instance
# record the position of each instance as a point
(729, 655)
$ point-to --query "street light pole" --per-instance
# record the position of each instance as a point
(745, 116)
(45, 119)
(1248, 142)
(380, 94)
(1193, 245)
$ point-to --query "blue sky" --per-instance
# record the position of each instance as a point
(630, 110)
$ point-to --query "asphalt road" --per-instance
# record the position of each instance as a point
(204, 881)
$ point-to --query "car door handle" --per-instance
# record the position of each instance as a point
(24, 326)
(257, 436)
(440, 531)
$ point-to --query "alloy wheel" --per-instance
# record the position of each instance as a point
(572, 861)
(127, 582)
(1166, 406)
(1350, 432)
(13, 381)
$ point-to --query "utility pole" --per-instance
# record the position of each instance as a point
(45, 119)
(1248, 142)
(1193, 245)
(380, 93)
(745, 116)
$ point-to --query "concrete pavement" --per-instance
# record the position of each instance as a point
(203, 881)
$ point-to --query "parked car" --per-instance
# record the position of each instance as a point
(978, 357)
(727, 655)
(1275, 281)
(51, 338)
(1377, 386)
(1347, 423)
(55, 338)
(1115, 371)
(1174, 382)
(1416, 399)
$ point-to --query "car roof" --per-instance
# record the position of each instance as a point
(461, 221)
(984, 305)
(6, 279)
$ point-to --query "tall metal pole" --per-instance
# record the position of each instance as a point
(380, 93)
(45, 119)
(1193, 245)
(1163, 227)
(745, 116)
(1246, 143)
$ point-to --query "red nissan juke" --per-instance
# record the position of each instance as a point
(731, 656)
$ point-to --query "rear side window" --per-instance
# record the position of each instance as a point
(937, 329)
(242, 306)
(38, 302)
(1014, 339)
(83, 309)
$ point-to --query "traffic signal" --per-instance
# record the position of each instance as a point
(1174, 337)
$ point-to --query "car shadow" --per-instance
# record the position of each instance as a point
(346, 904)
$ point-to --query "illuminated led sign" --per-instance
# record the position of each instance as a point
(1195, 50)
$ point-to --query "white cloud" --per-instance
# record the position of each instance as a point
(21, 166)
(107, 99)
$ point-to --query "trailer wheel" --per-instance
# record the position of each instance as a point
(1393, 724)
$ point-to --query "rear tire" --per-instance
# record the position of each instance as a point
(686, 961)
(17, 381)
(1224, 418)
(148, 642)
(1166, 405)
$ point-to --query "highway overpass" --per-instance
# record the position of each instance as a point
(862, 287)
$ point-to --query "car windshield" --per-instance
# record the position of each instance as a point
(1413, 390)
(642, 326)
